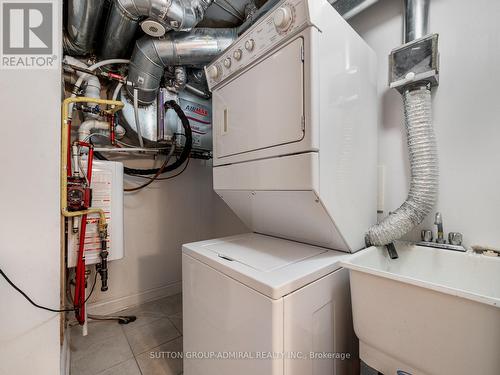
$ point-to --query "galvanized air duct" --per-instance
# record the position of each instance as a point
(416, 20)
(152, 55)
(157, 16)
(83, 21)
(349, 8)
(422, 146)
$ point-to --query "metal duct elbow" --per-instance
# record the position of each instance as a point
(157, 16)
(84, 17)
(152, 55)
(424, 170)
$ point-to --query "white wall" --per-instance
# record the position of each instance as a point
(30, 222)
(158, 220)
(466, 112)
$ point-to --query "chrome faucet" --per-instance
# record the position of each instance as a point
(455, 238)
(438, 221)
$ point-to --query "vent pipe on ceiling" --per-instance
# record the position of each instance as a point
(152, 55)
(421, 142)
(82, 24)
(156, 17)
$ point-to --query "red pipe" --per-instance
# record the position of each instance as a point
(112, 130)
(79, 298)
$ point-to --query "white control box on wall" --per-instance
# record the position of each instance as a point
(107, 193)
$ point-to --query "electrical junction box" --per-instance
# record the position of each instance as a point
(107, 193)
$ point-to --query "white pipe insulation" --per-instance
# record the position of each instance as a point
(93, 88)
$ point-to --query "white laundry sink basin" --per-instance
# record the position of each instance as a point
(431, 311)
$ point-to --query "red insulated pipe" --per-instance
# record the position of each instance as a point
(79, 298)
(112, 130)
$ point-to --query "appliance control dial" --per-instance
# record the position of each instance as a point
(214, 72)
(283, 18)
(250, 45)
(227, 62)
(238, 54)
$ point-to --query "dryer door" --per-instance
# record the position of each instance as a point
(264, 106)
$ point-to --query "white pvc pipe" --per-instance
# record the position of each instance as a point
(84, 76)
(86, 128)
(136, 115)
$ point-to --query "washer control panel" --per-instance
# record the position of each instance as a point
(279, 24)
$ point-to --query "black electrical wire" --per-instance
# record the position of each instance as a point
(152, 179)
(186, 151)
(36, 304)
(165, 178)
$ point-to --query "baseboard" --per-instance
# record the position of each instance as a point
(112, 306)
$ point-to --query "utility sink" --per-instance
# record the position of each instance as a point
(429, 312)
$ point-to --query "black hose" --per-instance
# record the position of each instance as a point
(188, 145)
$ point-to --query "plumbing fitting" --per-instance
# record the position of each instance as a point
(88, 126)
(93, 86)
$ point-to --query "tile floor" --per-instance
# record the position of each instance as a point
(138, 348)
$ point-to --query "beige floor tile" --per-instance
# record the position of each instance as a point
(98, 331)
(176, 320)
(128, 367)
(157, 361)
(90, 357)
(150, 335)
(170, 305)
(146, 314)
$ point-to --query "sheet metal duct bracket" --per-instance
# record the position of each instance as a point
(415, 62)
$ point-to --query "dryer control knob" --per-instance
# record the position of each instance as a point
(237, 54)
(214, 72)
(283, 18)
(250, 45)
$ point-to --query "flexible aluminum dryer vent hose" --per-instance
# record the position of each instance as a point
(424, 170)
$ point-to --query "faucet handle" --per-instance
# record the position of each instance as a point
(455, 238)
(426, 235)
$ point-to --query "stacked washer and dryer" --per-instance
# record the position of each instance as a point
(295, 154)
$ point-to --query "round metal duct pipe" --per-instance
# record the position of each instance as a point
(152, 55)
(416, 19)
